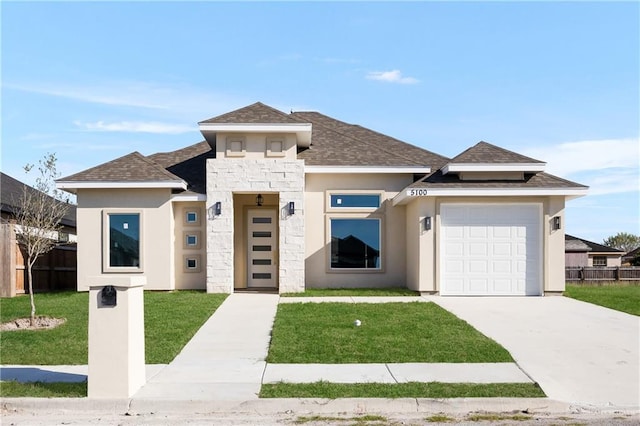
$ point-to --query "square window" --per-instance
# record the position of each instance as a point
(192, 217)
(355, 243)
(192, 263)
(600, 261)
(122, 249)
(192, 240)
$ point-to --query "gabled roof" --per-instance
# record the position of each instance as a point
(132, 170)
(593, 247)
(254, 113)
(188, 163)
(11, 190)
(484, 152)
(336, 143)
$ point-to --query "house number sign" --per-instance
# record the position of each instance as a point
(414, 192)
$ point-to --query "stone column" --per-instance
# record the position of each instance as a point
(116, 337)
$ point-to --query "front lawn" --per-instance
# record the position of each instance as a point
(14, 389)
(171, 319)
(355, 292)
(622, 297)
(325, 333)
(401, 390)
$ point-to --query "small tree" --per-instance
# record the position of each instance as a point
(38, 212)
(623, 241)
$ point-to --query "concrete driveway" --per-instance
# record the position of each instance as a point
(578, 352)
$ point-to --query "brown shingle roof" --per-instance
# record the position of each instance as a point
(336, 143)
(538, 180)
(133, 167)
(484, 152)
(189, 163)
(254, 113)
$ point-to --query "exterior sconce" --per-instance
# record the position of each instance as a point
(215, 210)
(259, 200)
(427, 223)
(556, 223)
(291, 207)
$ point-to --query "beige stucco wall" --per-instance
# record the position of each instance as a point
(186, 279)
(317, 239)
(423, 272)
(157, 233)
(256, 145)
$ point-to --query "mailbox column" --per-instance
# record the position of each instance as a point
(116, 336)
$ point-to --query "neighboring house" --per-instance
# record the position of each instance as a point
(55, 270)
(631, 257)
(292, 201)
(580, 253)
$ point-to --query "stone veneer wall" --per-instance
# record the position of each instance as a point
(285, 177)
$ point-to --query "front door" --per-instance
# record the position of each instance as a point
(262, 247)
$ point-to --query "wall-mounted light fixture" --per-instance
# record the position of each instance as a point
(556, 223)
(291, 207)
(259, 200)
(427, 223)
(217, 208)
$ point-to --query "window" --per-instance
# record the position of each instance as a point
(600, 261)
(191, 216)
(355, 243)
(192, 240)
(192, 263)
(355, 200)
(123, 239)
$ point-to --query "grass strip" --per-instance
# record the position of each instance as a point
(324, 333)
(401, 390)
(352, 292)
(12, 389)
(621, 297)
(171, 319)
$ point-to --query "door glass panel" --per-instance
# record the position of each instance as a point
(262, 262)
(261, 276)
(261, 248)
(261, 220)
(261, 234)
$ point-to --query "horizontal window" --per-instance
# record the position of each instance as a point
(355, 200)
(355, 243)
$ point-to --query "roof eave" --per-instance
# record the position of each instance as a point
(409, 194)
(494, 167)
(366, 169)
(302, 130)
(72, 186)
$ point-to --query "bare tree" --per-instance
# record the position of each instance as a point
(38, 212)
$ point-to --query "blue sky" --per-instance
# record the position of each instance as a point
(555, 81)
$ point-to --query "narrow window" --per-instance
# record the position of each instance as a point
(355, 243)
(124, 240)
(355, 200)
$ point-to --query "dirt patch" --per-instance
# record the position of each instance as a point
(42, 323)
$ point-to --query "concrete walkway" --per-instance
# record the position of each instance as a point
(578, 352)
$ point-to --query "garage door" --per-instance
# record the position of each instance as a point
(490, 249)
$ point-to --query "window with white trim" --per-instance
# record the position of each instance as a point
(600, 261)
(122, 249)
(356, 243)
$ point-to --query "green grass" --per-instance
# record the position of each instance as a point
(348, 292)
(171, 319)
(43, 390)
(324, 333)
(364, 420)
(624, 298)
(400, 390)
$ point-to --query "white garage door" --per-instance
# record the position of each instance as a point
(490, 249)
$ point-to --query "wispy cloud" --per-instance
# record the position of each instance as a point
(591, 155)
(135, 127)
(608, 166)
(393, 76)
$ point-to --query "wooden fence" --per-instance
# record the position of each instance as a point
(53, 271)
(585, 273)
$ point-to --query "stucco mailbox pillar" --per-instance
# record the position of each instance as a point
(116, 336)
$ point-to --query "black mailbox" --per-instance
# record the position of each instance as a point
(109, 296)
